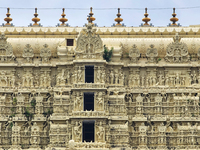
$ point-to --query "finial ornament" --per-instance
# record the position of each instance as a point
(8, 19)
(36, 19)
(146, 19)
(90, 17)
(174, 19)
(63, 19)
(118, 19)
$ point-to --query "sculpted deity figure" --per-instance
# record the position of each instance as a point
(75, 76)
(100, 100)
(78, 101)
(68, 77)
(98, 75)
(111, 77)
(103, 75)
(198, 78)
(61, 78)
(152, 54)
(77, 131)
(142, 81)
(177, 79)
(138, 81)
(171, 81)
(116, 76)
(121, 78)
(160, 78)
(100, 132)
(167, 81)
(79, 74)
(177, 52)
(134, 54)
(194, 77)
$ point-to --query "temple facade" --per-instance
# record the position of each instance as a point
(100, 88)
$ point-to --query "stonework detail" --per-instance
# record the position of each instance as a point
(28, 53)
(152, 54)
(45, 53)
(89, 45)
(134, 54)
(177, 52)
(147, 99)
(6, 50)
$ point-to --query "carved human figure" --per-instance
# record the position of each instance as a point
(116, 76)
(194, 77)
(138, 81)
(103, 75)
(154, 81)
(78, 101)
(142, 81)
(171, 81)
(75, 76)
(121, 78)
(79, 74)
(100, 100)
(77, 131)
(98, 75)
(160, 78)
(177, 79)
(198, 78)
(111, 77)
(13, 81)
(167, 81)
(100, 132)
(68, 77)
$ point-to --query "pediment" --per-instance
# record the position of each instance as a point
(89, 45)
(177, 52)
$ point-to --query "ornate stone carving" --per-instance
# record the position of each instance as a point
(89, 45)
(77, 132)
(16, 135)
(177, 52)
(35, 136)
(134, 54)
(45, 53)
(100, 132)
(152, 54)
(28, 53)
(27, 79)
(6, 50)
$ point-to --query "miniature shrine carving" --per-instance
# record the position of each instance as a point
(177, 52)
(134, 53)
(55, 96)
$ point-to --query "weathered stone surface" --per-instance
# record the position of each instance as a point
(146, 97)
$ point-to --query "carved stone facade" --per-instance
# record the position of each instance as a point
(50, 93)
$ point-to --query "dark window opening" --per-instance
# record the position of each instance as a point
(89, 74)
(70, 42)
(89, 101)
(88, 131)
